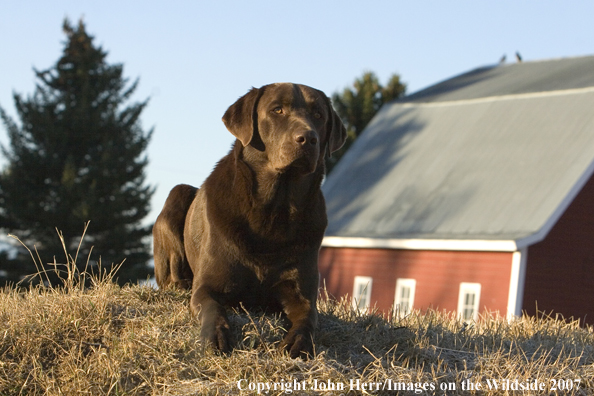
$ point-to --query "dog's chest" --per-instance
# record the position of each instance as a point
(254, 287)
(281, 223)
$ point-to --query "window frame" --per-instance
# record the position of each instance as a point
(467, 288)
(367, 283)
(402, 283)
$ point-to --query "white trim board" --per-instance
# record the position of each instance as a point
(517, 281)
(422, 244)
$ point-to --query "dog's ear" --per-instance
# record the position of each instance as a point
(335, 130)
(241, 119)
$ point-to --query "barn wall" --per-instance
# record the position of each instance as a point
(560, 269)
(438, 275)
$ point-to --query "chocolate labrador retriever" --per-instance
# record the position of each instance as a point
(252, 232)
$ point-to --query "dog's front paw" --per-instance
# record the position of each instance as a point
(217, 336)
(298, 344)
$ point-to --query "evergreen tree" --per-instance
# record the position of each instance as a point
(77, 155)
(358, 105)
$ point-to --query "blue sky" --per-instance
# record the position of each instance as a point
(195, 58)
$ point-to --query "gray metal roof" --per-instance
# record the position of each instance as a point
(494, 154)
(510, 79)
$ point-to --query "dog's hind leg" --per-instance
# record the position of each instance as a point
(171, 264)
(181, 274)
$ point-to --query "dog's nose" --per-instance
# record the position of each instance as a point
(307, 137)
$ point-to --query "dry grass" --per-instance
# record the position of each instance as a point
(135, 340)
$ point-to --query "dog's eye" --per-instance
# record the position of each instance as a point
(317, 114)
(278, 110)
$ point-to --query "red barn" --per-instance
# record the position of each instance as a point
(475, 194)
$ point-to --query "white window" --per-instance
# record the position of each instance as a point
(404, 298)
(362, 293)
(468, 300)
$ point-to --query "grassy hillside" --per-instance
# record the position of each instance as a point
(135, 340)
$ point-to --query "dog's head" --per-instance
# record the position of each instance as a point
(293, 126)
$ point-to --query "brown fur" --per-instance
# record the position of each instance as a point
(251, 234)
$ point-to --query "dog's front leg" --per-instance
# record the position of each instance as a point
(302, 313)
(215, 329)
